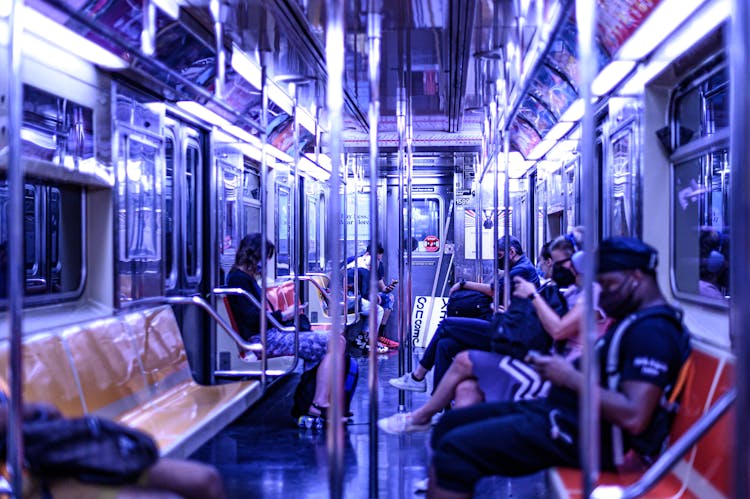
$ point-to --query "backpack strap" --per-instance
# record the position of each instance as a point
(613, 365)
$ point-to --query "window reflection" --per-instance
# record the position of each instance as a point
(425, 224)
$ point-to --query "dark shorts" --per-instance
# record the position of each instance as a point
(503, 378)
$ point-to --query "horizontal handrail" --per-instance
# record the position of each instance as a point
(206, 307)
(287, 329)
(672, 455)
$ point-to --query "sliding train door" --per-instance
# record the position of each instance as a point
(187, 235)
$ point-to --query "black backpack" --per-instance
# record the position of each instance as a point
(305, 391)
(469, 303)
(518, 329)
(89, 449)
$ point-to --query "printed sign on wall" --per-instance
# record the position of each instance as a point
(423, 327)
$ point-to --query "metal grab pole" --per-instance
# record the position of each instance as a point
(739, 237)
(15, 247)
(263, 221)
(589, 401)
(404, 307)
(374, 38)
(335, 103)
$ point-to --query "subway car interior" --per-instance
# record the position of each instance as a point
(170, 168)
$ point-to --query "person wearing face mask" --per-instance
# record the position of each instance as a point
(544, 263)
(566, 259)
(650, 344)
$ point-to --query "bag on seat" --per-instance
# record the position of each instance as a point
(469, 303)
(89, 449)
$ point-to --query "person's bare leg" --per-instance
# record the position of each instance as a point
(435, 492)
(460, 369)
(322, 390)
(188, 479)
(468, 393)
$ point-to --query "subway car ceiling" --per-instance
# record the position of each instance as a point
(442, 66)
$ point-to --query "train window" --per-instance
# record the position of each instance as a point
(700, 190)
(139, 179)
(229, 216)
(170, 256)
(193, 206)
(313, 253)
(283, 231)
(701, 236)
(622, 189)
(425, 224)
(703, 109)
(56, 129)
(142, 228)
(251, 199)
(53, 240)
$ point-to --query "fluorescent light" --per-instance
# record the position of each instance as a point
(610, 76)
(548, 166)
(562, 150)
(558, 131)
(278, 154)
(662, 21)
(246, 67)
(201, 112)
(313, 169)
(57, 34)
(170, 7)
(305, 120)
(278, 96)
(684, 38)
(698, 27)
(541, 149)
(574, 112)
(636, 83)
(575, 134)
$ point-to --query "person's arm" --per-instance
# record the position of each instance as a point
(630, 409)
(559, 328)
(474, 286)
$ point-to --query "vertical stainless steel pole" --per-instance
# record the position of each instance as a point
(294, 257)
(374, 37)
(589, 406)
(263, 221)
(15, 246)
(740, 237)
(409, 177)
(403, 308)
(148, 33)
(217, 12)
(335, 102)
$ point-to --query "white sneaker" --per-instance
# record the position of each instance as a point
(407, 382)
(401, 423)
(421, 485)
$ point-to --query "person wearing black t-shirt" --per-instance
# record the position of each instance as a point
(312, 344)
(518, 438)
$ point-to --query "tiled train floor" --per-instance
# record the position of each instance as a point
(263, 454)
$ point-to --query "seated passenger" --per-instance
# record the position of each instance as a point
(168, 477)
(477, 376)
(358, 271)
(312, 344)
(455, 334)
(518, 438)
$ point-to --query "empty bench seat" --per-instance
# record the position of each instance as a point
(133, 369)
(705, 471)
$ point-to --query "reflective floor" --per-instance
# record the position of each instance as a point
(262, 454)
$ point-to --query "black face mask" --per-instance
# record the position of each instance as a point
(563, 276)
(619, 302)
